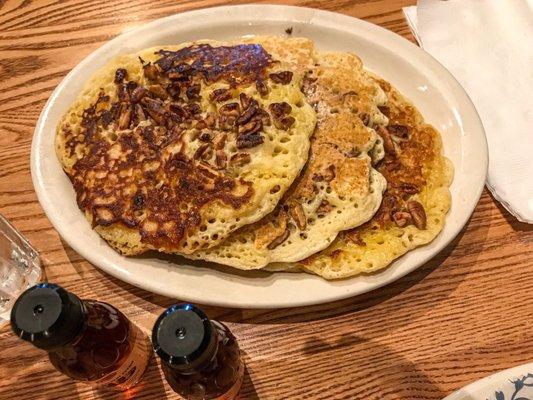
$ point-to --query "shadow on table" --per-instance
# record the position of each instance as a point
(515, 224)
(352, 305)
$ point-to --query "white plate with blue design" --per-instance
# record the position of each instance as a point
(511, 384)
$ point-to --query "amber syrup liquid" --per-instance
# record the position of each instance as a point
(219, 378)
(109, 351)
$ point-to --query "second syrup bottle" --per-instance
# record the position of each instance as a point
(200, 358)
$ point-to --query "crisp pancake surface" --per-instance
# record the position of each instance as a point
(338, 188)
(174, 148)
(414, 206)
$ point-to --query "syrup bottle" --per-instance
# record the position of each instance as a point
(86, 340)
(200, 358)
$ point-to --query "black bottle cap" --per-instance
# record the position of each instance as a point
(47, 316)
(182, 335)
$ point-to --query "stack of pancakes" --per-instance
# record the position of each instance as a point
(261, 153)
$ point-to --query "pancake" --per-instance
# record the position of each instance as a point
(175, 147)
(338, 189)
(414, 206)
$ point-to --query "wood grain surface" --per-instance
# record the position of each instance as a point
(464, 315)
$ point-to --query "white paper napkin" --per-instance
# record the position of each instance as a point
(488, 46)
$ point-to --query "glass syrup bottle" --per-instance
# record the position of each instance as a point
(87, 340)
(200, 358)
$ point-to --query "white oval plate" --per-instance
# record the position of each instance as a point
(430, 86)
(511, 384)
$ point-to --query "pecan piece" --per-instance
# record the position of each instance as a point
(388, 144)
(220, 141)
(401, 218)
(246, 116)
(230, 109)
(205, 151)
(329, 173)
(120, 74)
(278, 110)
(139, 113)
(385, 110)
(251, 127)
(219, 95)
(124, 117)
(123, 93)
(324, 208)
(261, 87)
(154, 108)
(245, 100)
(400, 131)
(283, 77)
(409, 188)
(354, 237)
(249, 140)
(193, 91)
(240, 159)
(174, 90)
(210, 120)
(150, 71)
(106, 117)
(279, 240)
(137, 94)
(206, 136)
(418, 213)
(221, 159)
(296, 211)
(284, 123)
(158, 91)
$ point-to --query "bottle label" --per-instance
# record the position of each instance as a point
(234, 390)
(132, 369)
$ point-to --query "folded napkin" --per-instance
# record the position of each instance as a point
(488, 47)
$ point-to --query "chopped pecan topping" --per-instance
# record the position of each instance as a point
(139, 113)
(246, 115)
(210, 120)
(106, 117)
(324, 208)
(329, 173)
(388, 143)
(317, 177)
(193, 91)
(200, 125)
(384, 110)
(137, 94)
(221, 159)
(283, 77)
(418, 213)
(365, 118)
(296, 212)
(249, 140)
(261, 87)
(265, 117)
(194, 108)
(220, 95)
(245, 100)
(354, 237)
(205, 151)
(230, 109)
(240, 159)
(409, 188)
(120, 74)
(280, 115)
(123, 93)
(150, 71)
(278, 110)
(251, 127)
(279, 240)
(125, 116)
(174, 90)
(206, 136)
(155, 110)
(400, 131)
(226, 123)
(158, 91)
(401, 218)
(220, 141)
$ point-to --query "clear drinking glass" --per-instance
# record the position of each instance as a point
(20, 267)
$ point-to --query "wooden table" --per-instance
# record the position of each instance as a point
(464, 315)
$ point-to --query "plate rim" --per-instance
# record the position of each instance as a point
(262, 9)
